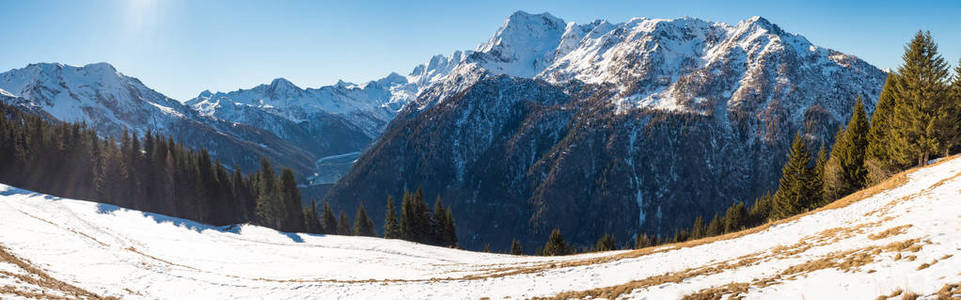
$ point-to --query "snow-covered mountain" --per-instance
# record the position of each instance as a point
(367, 107)
(644, 124)
(901, 237)
(111, 102)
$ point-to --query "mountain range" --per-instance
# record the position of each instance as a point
(622, 128)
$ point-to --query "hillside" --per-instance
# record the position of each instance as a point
(904, 234)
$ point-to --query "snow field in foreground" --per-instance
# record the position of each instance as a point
(860, 251)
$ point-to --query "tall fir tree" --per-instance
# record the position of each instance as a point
(391, 226)
(879, 157)
(290, 195)
(270, 209)
(954, 113)
(794, 188)
(921, 113)
(363, 225)
(817, 179)
(848, 154)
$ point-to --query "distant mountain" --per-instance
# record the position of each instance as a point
(608, 128)
(111, 102)
(329, 122)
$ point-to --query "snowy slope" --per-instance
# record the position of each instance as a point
(905, 237)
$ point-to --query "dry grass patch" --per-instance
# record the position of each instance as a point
(909, 296)
(890, 232)
(949, 291)
(893, 294)
(38, 277)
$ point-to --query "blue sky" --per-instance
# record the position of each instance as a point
(183, 47)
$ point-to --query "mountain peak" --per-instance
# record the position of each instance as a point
(101, 66)
(282, 82)
(761, 23)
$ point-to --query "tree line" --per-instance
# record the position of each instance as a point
(418, 223)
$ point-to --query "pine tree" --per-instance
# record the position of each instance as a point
(921, 113)
(439, 221)
(312, 220)
(391, 227)
(516, 247)
(606, 243)
(760, 210)
(734, 217)
(817, 179)
(697, 230)
(794, 188)
(954, 113)
(848, 155)
(715, 227)
(343, 224)
(363, 225)
(555, 244)
(879, 157)
(270, 209)
(642, 241)
(487, 248)
(290, 196)
(328, 219)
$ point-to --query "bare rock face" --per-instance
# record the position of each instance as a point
(608, 128)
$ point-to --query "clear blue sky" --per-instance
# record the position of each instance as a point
(181, 47)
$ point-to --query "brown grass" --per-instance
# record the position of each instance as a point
(893, 294)
(909, 296)
(890, 232)
(948, 291)
(38, 277)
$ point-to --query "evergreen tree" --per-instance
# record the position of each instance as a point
(817, 179)
(311, 219)
(328, 219)
(415, 219)
(555, 245)
(734, 218)
(391, 227)
(487, 248)
(451, 230)
(606, 243)
(760, 210)
(290, 196)
(343, 224)
(363, 225)
(270, 210)
(795, 189)
(697, 230)
(921, 113)
(848, 155)
(516, 247)
(439, 221)
(715, 227)
(954, 113)
(879, 157)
